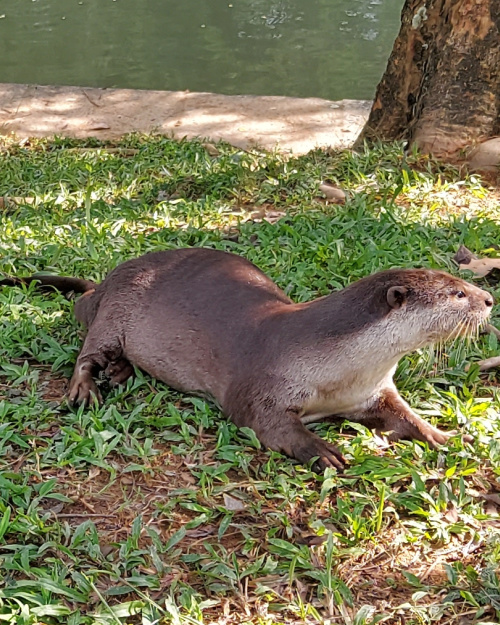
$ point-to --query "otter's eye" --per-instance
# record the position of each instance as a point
(460, 294)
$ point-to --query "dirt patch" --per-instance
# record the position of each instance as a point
(112, 502)
(376, 570)
(291, 124)
(163, 489)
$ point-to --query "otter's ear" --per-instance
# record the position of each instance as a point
(396, 296)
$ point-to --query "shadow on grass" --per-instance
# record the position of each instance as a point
(153, 496)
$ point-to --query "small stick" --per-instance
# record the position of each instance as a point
(83, 516)
(488, 328)
(489, 363)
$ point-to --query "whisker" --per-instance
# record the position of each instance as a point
(435, 356)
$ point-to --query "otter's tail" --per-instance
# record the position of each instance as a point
(46, 282)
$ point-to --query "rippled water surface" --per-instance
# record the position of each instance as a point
(327, 48)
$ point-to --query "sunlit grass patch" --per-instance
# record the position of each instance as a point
(153, 507)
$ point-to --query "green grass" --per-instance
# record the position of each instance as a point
(153, 508)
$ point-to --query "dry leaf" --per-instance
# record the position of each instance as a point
(5, 201)
(452, 515)
(312, 540)
(99, 126)
(332, 193)
(491, 497)
(270, 216)
(121, 151)
(463, 256)
(94, 472)
(211, 149)
(107, 549)
(233, 504)
(490, 329)
(489, 363)
(480, 267)
(201, 532)
(491, 509)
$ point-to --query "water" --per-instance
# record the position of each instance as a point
(332, 49)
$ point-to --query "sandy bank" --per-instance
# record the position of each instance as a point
(294, 124)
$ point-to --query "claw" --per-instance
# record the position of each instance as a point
(83, 389)
(430, 435)
(334, 459)
(327, 454)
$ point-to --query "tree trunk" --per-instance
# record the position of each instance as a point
(441, 88)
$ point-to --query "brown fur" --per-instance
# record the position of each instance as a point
(209, 322)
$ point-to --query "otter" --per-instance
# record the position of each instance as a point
(210, 322)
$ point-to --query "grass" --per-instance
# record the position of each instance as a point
(153, 508)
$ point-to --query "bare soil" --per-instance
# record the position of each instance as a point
(289, 124)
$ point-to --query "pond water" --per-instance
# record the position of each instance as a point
(332, 49)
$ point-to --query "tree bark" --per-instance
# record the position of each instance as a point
(441, 88)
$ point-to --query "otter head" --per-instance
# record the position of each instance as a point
(433, 305)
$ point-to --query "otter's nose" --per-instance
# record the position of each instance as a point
(489, 301)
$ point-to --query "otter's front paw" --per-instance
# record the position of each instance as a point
(82, 389)
(436, 437)
(428, 434)
(314, 447)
